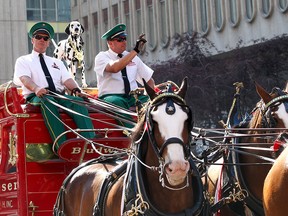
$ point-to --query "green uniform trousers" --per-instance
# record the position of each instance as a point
(124, 102)
(54, 125)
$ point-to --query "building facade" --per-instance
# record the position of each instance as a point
(220, 25)
(215, 26)
(16, 19)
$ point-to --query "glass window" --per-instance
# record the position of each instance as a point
(33, 10)
(96, 31)
(249, 9)
(63, 10)
(127, 22)
(151, 25)
(204, 16)
(189, 12)
(266, 7)
(283, 5)
(138, 22)
(105, 19)
(164, 36)
(49, 15)
(233, 12)
(87, 51)
(115, 14)
(218, 14)
(176, 17)
(48, 10)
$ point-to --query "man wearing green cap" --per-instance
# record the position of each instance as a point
(118, 71)
(40, 76)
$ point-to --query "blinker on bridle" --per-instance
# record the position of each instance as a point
(282, 98)
(170, 98)
(269, 120)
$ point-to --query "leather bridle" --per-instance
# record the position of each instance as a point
(170, 99)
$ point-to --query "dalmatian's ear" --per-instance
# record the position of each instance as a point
(82, 28)
(67, 30)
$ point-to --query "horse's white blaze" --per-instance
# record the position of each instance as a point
(172, 126)
(282, 114)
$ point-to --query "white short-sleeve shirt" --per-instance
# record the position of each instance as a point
(112, 83)
(29, 65)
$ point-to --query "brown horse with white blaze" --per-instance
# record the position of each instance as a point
(251, 156)
(158, 178)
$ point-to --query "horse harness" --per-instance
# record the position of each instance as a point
(234, 182)
(135, 200)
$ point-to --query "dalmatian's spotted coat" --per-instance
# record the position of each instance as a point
(71, 50)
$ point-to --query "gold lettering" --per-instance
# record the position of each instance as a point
(76, 150)
(11, 186)
(90, 151)
(6, 204)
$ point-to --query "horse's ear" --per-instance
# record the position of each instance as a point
(183, 88)
(151, 93)
(266, 97)
(67, 30)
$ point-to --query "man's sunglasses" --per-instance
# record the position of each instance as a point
(120, 39)
(39, 37)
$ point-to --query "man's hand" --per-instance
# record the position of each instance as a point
(140, 43)
(78, 93)
(40, 92)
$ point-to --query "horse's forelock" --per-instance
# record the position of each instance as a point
(257, 117)
(138, 130)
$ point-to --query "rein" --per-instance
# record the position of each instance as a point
(141, 204)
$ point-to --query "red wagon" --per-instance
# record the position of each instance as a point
(30, 187)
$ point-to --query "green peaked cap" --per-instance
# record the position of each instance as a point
(115, 31)
(41, 27)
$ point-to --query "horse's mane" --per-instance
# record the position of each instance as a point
(139, 127)
(256, 116)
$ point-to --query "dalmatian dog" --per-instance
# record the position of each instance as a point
(71, 50)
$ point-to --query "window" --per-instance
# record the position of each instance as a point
(96, 32)
(204, 16)
(63, 10)
(283, 5)
(164, 33)
(249, 5)
(266, 8)
(176, 17)
(138, 22)
(233, 11)
(105, 19)
(48, 10)
(33, 10)
(87, 50)
(151, 25)
(189, 12)
(219, 21)
(115, 14)
(127, 22)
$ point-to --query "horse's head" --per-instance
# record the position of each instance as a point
(169, 122)
(274, 107)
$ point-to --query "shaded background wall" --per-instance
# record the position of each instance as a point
(211, 79)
